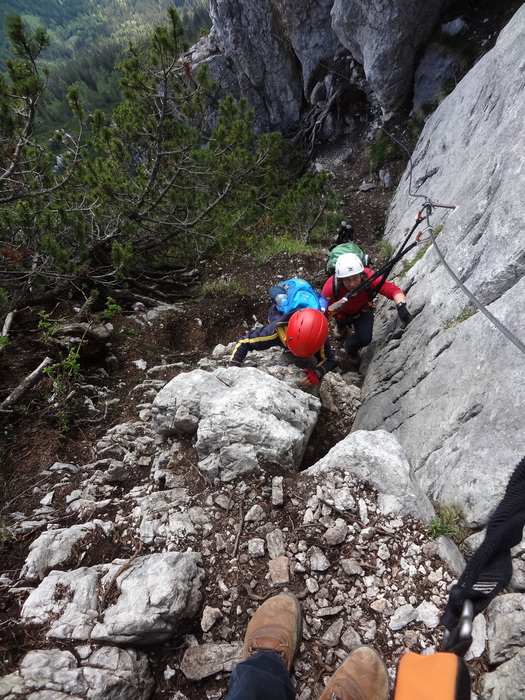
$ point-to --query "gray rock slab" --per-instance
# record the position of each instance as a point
(54, 674)
(451, 387)
(242, 417)
(507, 682)
(152, 592)
(376, 457)
(54, 547)
(155, 593)
(206, 659)
(505, 626)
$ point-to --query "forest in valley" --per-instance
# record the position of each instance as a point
(87, 39)
(125, 198)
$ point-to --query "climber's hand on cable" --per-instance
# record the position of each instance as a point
(311, 378)
(403, 312)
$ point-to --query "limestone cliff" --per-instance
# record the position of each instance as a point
(451, 388)
(287, 55)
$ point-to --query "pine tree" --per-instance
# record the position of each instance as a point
(169, 176)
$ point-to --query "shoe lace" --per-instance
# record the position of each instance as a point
(255, 649)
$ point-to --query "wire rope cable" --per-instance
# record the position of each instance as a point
(428, 208)
(503, 329)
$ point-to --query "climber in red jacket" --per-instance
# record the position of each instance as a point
(358, 309)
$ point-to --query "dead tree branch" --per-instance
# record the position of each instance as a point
(21, 390)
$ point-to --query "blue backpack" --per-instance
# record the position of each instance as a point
(292, 295)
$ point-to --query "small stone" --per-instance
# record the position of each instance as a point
(363, 511)
(402, 617)
(223, 501)
(336, 534)
(383, 552)
(312, 585)
(209, 617)
(277, 491)
(275, 543)
(279, 570)
(351, 567)
(255, 514)
(351, 639)
(48, 499)
(220, 543)
(256, 547)
(329, 611)
(379, 605)
(333, 634)
(318, 561)
(428, 614)
(368, 533)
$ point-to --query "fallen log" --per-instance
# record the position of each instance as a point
(21, 390)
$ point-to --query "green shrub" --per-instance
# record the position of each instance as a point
(449, 523)
(47, 325)
(65, 375)
(386, 249)
(408, 264)
(111, 309)
(271, 246)
(382, 150)
(130, 332)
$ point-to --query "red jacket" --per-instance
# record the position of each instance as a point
(361, 302)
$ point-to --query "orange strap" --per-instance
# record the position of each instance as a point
(441, 676)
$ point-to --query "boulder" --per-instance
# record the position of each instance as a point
(377, 459)
(242, 417)
(151, 595)
(106, 672)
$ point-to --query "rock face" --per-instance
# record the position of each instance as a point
(384, 38)
(288, 55)
(451, 389)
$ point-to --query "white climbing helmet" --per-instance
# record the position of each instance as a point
(347, 265)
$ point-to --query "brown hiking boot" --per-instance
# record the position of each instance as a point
(361, 676)
(276, 626)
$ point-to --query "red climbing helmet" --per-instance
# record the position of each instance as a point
(307, 332)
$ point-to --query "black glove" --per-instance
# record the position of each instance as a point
(403, 312)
